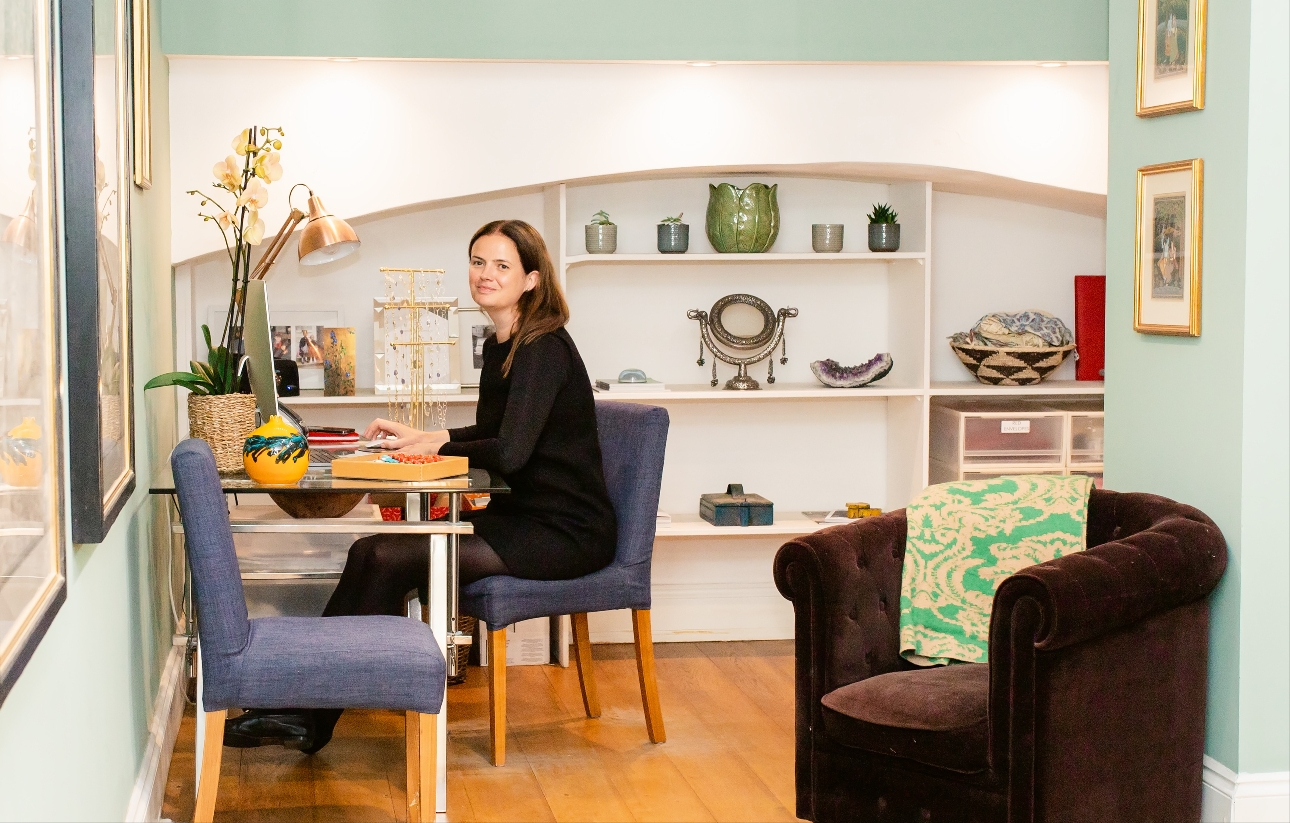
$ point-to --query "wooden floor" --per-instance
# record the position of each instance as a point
(728, 708)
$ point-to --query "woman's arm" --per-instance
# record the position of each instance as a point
(387, 434)
(539, 371)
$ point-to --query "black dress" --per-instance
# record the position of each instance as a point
(536, 427)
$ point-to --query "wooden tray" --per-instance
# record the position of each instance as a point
(370, 467)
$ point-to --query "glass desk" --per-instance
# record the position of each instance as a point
(443, 534)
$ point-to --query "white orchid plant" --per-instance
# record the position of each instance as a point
(243, 177)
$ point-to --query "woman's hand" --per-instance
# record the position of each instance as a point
(387, 434)
(423, 447)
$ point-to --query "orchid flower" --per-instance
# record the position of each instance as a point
(254, 195)
(226, 220)
(255, 232)
(268, 166)
(242, 143)
(228, 173)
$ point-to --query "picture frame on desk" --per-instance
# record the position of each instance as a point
(97, 183)
(1171, 56)
(1168, 249)
(473, 327)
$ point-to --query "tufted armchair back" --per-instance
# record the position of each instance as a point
(632, 441)
(223, 625)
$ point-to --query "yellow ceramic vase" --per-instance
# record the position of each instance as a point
(20, 461)
(276, 454)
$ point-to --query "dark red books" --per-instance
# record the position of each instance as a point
(1090, 326)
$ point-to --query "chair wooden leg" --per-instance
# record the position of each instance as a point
(497, 693)
(586, 671)
(644, 635)
(211, 754)
(429, 754)
(412, 737)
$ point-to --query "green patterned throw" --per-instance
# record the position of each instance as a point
(964, 539)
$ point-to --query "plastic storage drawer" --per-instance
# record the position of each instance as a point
(1086, 439)
(972, 436)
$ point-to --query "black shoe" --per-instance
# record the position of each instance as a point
(270, 727)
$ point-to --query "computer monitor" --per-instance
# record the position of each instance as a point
(257, 340)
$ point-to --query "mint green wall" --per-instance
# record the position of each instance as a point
(708, 29)
(74, 728)
(1204, 420)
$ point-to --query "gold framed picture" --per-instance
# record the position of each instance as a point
(1166, 274)
(1171, 56)
(141, 90)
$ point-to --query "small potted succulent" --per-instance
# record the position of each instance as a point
(673, 235)
(884, 231)
(602, 234)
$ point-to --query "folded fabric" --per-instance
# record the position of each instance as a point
(966, 538)
(1025, 328)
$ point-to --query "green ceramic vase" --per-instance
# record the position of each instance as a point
(742, 220)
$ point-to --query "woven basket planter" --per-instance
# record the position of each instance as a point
(224, 421)
(1016, 366)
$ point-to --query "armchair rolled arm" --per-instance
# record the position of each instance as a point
(1176, 561)
(845, 586)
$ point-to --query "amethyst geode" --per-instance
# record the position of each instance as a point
(834, 374)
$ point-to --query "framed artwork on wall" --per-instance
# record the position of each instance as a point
(474, 327)
(1166, 277)
(1171, 56)
(97, 173)
(141, 90)
(33, 529)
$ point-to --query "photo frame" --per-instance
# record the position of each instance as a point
(33, 526)
(141, 90)
(1171, 56)
(96, 181)
(473, 327)
(1168, 249)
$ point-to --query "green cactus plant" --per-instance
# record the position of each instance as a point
(882, 213)
(601, 218)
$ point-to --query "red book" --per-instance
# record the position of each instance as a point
(1090, 326)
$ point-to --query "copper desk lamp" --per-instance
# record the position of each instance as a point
(324, 239)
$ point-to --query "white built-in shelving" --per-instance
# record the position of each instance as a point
(802, 445)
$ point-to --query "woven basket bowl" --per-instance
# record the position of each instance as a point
(1016, 366)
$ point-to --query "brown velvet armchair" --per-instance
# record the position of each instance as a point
(1091, 707)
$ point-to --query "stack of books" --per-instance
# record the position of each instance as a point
(333, 438)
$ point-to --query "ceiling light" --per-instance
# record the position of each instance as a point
(700, 64)
(343, 59)
(1052, 64)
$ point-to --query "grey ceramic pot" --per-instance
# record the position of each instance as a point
(602, 239)
(826, 237)
(673, 238)
(884, 236)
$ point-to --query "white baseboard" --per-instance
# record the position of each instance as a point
(1228, 797)
(163, 728)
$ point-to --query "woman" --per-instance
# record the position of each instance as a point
(535, 425)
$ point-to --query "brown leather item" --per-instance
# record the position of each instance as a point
(1092, 704)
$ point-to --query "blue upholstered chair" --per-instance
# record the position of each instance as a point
(376, 662)
(632, 440)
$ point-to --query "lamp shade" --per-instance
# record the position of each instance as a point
(325, 237)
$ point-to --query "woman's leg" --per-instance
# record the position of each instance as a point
(379, 573)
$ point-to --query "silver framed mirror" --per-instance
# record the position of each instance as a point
(747, 324)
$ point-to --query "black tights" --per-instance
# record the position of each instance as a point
(379, 573)
(383, 568)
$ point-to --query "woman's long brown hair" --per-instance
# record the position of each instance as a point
(542, 308)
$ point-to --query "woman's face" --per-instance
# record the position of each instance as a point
(497, 278)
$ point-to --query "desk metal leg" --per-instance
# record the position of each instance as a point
(418, 508)
(439, 620)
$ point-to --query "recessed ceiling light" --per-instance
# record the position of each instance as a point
(700, 64)
(343, 59)
(1051, 65)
